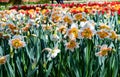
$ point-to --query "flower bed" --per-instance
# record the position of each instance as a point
(61, 40)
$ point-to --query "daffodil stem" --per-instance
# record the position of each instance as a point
(88, 49)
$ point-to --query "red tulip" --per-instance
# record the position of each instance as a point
(118, 11)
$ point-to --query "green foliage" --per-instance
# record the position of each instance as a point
(44, 1)
(39, 2)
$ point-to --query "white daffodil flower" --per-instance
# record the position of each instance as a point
(52, 53)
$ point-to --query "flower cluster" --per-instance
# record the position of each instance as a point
(66, 23)
(89, 7)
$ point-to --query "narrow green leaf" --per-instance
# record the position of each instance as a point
(31, 73)
(19, 66)
(49, 69)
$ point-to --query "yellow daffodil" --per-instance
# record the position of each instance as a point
(103, 34)
(113, 35)
(103, 26)
(87, 33)
(56, 17)
(71, 45)
(3, 59)
(104, 50)
(78, 16)
(67, 19)
(73, 31)
(62, 29)
(17, 42)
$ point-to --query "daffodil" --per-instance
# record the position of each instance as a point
(54, 37)
(87, 30)
(52, 53)
(3, 59)
(104, 26)
(104, 50)
(56, 17)
(17, 42)
(113, 35)
(73, 31)
(86, 33)
(88, 24)
(78, 16)
(71, 45)
(62, 29)
(67, 19)
(102, 34)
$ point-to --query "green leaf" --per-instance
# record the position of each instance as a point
(19, 66)
(27, 51)
(31, 73)
(9, 70)
(115, 67)
(1, 51)
(49, 69)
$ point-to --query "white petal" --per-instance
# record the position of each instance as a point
(82, 24)
(53, 55)
(74, 25)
